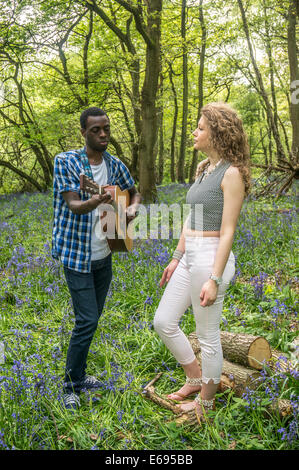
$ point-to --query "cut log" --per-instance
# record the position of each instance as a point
(247, 350)
(280, 361)
(243, 349)
(282, 407)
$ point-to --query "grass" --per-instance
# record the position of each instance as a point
(36, 320)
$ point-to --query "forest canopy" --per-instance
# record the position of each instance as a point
(152, 65)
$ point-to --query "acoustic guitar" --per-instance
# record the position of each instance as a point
(119, 231)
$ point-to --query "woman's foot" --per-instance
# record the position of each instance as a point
(188, 406)
(200, 406)
(191, 387)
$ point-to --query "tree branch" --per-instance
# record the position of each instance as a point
(85, 58)
(22, 174)
(140, 25)
(100, 12)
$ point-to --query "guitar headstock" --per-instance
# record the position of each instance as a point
(86, 184)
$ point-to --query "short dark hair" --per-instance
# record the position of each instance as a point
(93, 111)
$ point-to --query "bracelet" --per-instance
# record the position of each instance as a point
(177, 254)
(207, 404)
(218, 280)
(194, 381)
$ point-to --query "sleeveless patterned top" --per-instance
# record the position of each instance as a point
(208, 193)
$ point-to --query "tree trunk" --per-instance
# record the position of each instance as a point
(238, 377)
(85, 60)
(160, 142)
(161, 149)
(200, 84)
(151, 34)
(265, 150)
(174, 124)
(133, 63)
(181, 162)
(134, 147)
(30, 125)
(149, 125)
(270, 143)
(262, 91)
(271, 65)
(294, 76)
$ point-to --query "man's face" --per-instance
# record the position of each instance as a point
(97, 132)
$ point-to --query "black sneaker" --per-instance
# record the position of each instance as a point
(90, 383)
(71, 401)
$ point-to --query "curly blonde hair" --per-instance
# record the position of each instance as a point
(228, 138)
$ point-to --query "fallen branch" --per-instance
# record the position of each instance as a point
(282, 407)
(149, 392)
(288, 172)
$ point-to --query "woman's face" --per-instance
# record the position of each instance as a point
(202, 136)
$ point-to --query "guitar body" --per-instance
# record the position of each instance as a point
(119, 240)
(122, 242)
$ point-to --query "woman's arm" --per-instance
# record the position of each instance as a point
(233, 195)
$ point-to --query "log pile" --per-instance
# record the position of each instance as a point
(244, 358)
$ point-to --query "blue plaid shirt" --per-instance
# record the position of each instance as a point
(71, 237)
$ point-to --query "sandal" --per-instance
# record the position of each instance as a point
(206, 406)
(193, 381)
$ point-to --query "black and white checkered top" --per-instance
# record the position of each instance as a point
(206, 200)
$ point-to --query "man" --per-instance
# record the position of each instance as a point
(84, 253)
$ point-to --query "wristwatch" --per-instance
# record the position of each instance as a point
(218, 280)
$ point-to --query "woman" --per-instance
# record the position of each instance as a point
(203, 263)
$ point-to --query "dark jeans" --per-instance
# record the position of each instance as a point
(88, 292)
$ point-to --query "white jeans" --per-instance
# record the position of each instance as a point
(183, 289)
